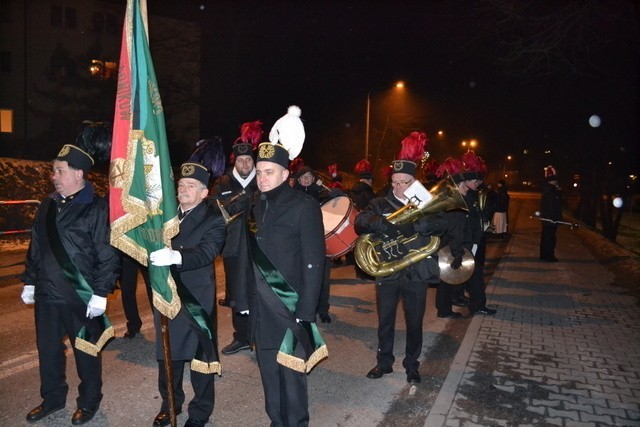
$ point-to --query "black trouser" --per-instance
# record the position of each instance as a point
(201, 406)
(285, 391)
(444, 296)
(128, 286)
(53, 323)
(548, 241)
(323, 302)
(414, 298)
(241, 326)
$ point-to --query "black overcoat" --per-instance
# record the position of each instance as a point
(199, 241)
(291, 235)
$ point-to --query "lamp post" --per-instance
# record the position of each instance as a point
(398, 85)
(504, 166)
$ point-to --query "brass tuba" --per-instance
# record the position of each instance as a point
(445, 197)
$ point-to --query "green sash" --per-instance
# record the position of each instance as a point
(206, 360)
(315, 349)
(95, 333)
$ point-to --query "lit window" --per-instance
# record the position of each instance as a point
(103, 70)
(6, 120)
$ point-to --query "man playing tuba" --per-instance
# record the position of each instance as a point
(409, 284)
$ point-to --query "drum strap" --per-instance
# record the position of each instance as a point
(303, 336)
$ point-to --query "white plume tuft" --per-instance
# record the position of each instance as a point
(289, 132)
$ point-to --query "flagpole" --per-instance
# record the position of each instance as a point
(168, 368)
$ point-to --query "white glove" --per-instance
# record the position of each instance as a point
(96, 306)
(27, 294)
(164, 257)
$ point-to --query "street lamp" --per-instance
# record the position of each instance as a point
(504, 166)
(469, 145)
(399, 85)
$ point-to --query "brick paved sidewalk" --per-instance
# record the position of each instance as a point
(564, 348)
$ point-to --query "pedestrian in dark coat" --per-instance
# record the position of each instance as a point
(501, 208)
(69, 271)
(289, 255)
(191, 256)
(551, 210)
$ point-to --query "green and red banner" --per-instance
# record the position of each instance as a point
(143, 206)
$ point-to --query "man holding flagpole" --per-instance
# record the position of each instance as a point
(142, 219)
(192, 332)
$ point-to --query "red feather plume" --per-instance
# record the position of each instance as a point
(413, 147)
(295, 165)
(332, 170)
(387, 171)
(474, 163)
(251, 132)
(363, 166)
(451, 165)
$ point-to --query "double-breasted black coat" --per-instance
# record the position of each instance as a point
(199, 241)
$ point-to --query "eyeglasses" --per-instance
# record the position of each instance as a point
(402, 182)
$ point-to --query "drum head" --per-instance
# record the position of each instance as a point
(334, 211)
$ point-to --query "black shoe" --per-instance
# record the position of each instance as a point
(378, 372)
(484, 311)
(461, 302)
(191, 422)
(131, 333)
(163, 418)
(413, 377)
(324, 317)
(450, 315)
(82, 416)
(235, 347)
(552, 259)
(39, 412)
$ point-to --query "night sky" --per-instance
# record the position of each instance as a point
(454, 57)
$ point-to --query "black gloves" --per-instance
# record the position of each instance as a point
(406, 230)
(432, 225)
(456, 263)
(390, 229)
(393, 230)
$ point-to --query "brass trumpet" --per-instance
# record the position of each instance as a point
(225, 215)
(445, 197)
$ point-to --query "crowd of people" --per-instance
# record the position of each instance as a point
(274, 254)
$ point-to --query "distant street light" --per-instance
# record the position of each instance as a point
(469, 145)
(399, 85)
(504, 166)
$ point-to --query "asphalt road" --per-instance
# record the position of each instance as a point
(339, 392)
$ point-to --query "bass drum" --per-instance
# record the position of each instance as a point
(338, 217)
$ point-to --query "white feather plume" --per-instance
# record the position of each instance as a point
(289, 132)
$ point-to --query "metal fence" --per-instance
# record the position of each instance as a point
(17, 216)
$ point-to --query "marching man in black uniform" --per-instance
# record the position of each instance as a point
(236, 189)
(409, 284)
(191, 256)
(288, 251)
(70, 269)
